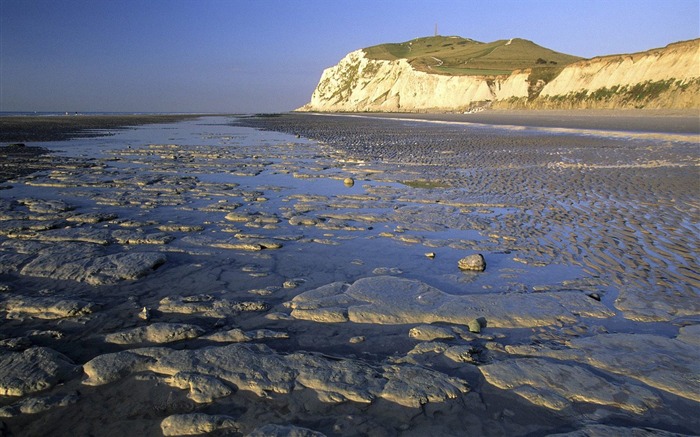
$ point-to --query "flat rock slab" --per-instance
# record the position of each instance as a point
(32, 405)
(392, 300)
(259, 369)
(558, 386)
(155, 333)
(208, 305)
(237, 335)
(48, 308)
(87, 263)
(196, 424)
(33, 370)
(664, 363)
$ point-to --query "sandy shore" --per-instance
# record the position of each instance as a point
(659, 121)
(203, 276)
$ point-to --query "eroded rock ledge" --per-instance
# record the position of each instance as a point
(392, 300)
(208, 373)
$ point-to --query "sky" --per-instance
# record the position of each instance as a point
(248, 56)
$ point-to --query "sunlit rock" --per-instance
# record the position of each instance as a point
(557, 385)
(155, 333)
(196, 424)
(393, 300)
(49, 307)
(664, 363)
(257, 368)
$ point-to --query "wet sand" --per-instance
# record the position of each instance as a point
(207, 276)
(667, 121)
(19, 129)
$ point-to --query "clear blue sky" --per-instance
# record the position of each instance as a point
(268, 55)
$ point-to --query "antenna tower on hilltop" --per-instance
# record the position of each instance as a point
(435, 29)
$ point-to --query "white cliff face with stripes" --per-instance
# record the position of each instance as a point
(660, 78)
(358, 83)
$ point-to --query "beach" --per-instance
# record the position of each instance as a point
(317, 274)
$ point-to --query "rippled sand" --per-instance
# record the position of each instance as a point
(208, 276)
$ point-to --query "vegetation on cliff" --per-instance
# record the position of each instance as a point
(459, 74)
(458, 56)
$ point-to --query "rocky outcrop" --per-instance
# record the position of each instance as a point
(668, 77)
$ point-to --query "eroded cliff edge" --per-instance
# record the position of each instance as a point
(667, 77)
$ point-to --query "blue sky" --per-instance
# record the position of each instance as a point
(268, 55)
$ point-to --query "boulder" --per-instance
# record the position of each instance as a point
(474, 262)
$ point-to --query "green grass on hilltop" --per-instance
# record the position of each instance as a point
(462, 56)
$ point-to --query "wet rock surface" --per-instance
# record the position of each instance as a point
(205, 277)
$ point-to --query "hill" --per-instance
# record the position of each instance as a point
(458, 56)
(459, 74)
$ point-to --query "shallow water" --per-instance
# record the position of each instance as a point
(553, 212)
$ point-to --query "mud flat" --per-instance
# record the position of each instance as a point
(300, 275)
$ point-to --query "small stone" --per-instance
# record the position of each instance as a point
(430, 332)
(476, 325)
(292, 283)
(349, 182)
(358, 339)
(474, 262)
(145, 314)
(430, 255)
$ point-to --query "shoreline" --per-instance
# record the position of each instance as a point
(648, 121)
(14, 129)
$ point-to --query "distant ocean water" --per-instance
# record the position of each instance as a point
(58, 114)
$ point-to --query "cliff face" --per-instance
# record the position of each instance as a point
(666, 77)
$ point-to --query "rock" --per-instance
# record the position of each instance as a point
(47, 308)
(196, 424)
(238, 336)
(46, 206)
(38, 405)
(557, 385)
(85, 263)
(155, 333)
(202, 388)
(472, 262)
(430, 255)
(393, 300)
(145, 314)
(35, 369)
(127, 236)
(273, 430)
(476, 325)
(430, 332)
(357, 339)
(91, 218)
(79, 235)
(208, 305)
(664, 363)
(349, 182)
(257, 368)
(292, 283)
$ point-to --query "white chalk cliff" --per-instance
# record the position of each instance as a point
(665, 77)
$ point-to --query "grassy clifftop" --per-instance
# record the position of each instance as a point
(463, 56)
